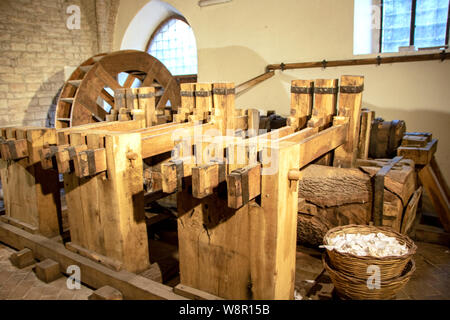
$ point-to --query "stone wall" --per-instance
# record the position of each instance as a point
(35, 47)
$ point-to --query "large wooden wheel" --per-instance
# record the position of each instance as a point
(89, 93)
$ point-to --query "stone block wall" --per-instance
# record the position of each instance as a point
(35, 47)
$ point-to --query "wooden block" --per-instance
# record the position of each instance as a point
(22, 259)
(111, 117)
(106, 293)
(420, 155)
(48, 270)
(66, 156)
(90, 162)
(119, 99)
(244, 184)
(14, 149)
(172, 174)
(124, 117)
(207, 177)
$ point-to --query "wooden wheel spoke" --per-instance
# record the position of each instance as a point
(107, 79)
(165, 97)
(150, 77)
(129, 81)
(107, 97)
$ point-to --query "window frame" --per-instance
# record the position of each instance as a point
(186, 78)
(412, 26)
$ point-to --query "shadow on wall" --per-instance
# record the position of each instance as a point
(239, 64)
(41, 110)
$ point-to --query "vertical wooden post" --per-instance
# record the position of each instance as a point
(350, 100)
(301, 103)
(364, 136)
(32, 194)
(224, 100)
(106, 211)
(325, 98)
(273, 226)
(147, 103)
(253, 122)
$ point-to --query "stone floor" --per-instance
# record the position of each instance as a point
(431, 281)
(22, 284)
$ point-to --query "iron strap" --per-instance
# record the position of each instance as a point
(352, 89)
(91, 161)
(224, 92)
(146, 95)
(187, 93)
(202, 93)
(302, 90)
(321, 90)
(12, 149)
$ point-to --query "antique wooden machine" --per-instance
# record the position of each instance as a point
(237, 190)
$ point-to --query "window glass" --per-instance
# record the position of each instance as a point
(174, 45)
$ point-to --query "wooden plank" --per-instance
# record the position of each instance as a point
(437, 194)
(194, 294)
(410, 212)
(273, 227)
(164, 142)
(349, 106)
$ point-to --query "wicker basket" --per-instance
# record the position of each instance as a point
(348, 287)
(355, 266)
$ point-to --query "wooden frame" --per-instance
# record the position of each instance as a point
(235, 245)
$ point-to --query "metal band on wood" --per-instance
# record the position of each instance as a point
(91, 161)
(245, 187)
(352, 89)
(72, 152)
(302, 90)
(224, 92)
(146, 95)
(187, 93)
(320, 90)
(202, 93)
(180, 172)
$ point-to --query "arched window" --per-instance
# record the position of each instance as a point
(173, 43)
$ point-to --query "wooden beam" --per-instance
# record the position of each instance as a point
(243, 87)
(92, 274)
(437, 195)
